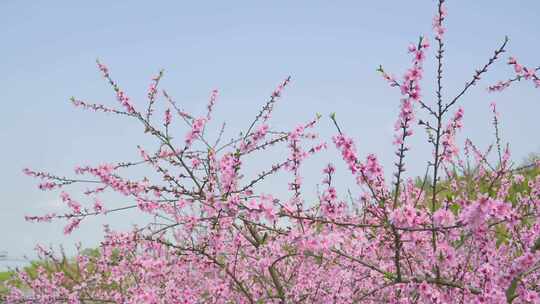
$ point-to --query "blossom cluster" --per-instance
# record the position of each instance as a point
(521, 72)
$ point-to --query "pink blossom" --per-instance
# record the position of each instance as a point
(196, 129)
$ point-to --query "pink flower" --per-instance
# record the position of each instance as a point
(168, 117)
(196, 129)
(228, 166)
(518, 68)
(98, 206)
(443, 217)
(72, 225)
(529, 73)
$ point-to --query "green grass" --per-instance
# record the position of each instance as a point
(4, 276)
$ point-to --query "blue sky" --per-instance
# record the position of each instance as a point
(244, 48)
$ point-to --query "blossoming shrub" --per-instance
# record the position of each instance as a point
(467, 232)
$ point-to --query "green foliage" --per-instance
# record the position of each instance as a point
(4, 277)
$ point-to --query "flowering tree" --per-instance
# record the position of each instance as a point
(468, 232)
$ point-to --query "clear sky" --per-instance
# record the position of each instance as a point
(244, 48)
